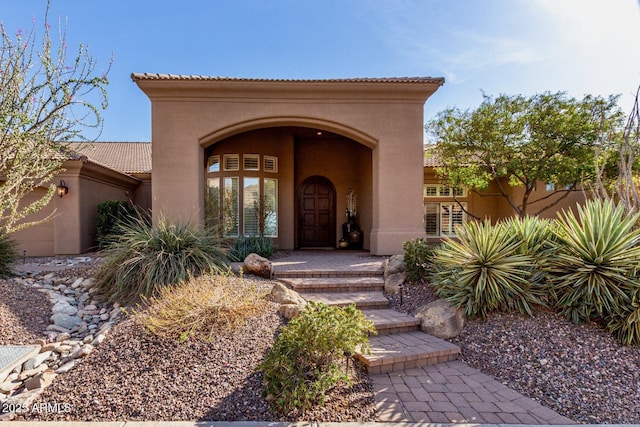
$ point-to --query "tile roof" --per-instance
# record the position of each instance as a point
(157, 76)
(430, 159)
(126, 157)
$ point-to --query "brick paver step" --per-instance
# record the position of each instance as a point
(335, 284)
(389, 321)
(280, 273)
(362, 300)
(396, 352)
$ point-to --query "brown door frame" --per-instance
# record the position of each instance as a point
(332, 210)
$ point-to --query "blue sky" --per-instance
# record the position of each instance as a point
(495, 46)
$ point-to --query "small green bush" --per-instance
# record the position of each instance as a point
(146, 258)
(301, 365)
(596, 269)
(483, 272)
(243, 246)
(417, 258)
(111, 214)
(8, 254)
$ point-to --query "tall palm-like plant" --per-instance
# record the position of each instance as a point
(483, 271)
(595, 271)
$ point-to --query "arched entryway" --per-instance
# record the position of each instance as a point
(316, 213)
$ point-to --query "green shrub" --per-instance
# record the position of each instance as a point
(483, 272)
(417, 258)
(595, 271)
(243, 246)
(301, 365)
(146, 258)
(111, 214)
(8, 254)
(202, 306)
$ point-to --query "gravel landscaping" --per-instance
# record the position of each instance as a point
(134, 375)
(24, 314)
(579, 371)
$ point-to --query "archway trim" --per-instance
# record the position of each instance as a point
(299, 121)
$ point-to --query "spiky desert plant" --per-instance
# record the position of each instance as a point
(483, 272)
(595, 271)
(146, 258)
(538, 240)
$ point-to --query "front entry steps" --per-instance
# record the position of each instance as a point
(389, 321)
(362, 300)
(399, 344)
(406, 350)
(336, 284)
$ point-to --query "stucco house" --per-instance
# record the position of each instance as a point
(304, 143)
(313, 152)
(96, 173)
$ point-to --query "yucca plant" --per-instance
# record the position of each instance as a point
(536, 237)
(626, 325)
(243, 246)
(146, 258)
(595, 270)
(538, 240)
(483, 272)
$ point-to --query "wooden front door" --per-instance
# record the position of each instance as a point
(317, 213)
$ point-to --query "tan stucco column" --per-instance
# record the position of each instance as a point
(397, 190)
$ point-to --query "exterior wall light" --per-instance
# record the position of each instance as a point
(62, 189)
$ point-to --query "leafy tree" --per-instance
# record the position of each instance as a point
(517, 141)
(47, 98)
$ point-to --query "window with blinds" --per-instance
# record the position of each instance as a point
(270, 164)
(252, 208)
(251, 162)
(230, 206)
(231, 162)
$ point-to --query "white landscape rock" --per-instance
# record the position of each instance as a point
(63, 307)
(65, 321)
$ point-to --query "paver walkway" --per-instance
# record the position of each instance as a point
(444, 392)
(454, 392)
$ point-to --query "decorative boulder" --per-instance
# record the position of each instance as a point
(393, 281)
(258, 266)
(291, 303)
(440, 319)
(394, 265)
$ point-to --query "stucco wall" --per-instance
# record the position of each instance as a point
(36, 240)
(72, 230)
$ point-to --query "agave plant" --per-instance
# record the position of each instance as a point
(626, 325)
(483, 272)
(595, 270)
(536, 236)
(146, 258)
